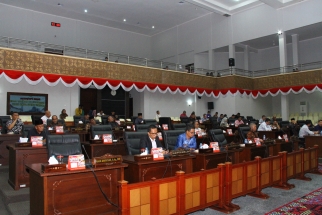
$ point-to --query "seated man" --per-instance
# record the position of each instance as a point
(265, 126)
(204, 118)
(151, 140)
(221, 116)
(139, 119)
(55, 123)
(223, 122)
(14, 125)
(111, 121)
(252, 134)
(197, 127)
(318, 127)
(262, 119)
(101, 113)
(275, 125)
(46, 116)
(208, 114)
(157, 116)
(295, 128)
(114, 115)
(187, 139)
(239, 121)
(192, 117)
(304, 131)
(38, 130)
(90, 123)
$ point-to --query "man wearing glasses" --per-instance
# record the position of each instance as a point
(187, 140)
(151, 140)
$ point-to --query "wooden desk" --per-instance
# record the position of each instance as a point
(18, 158)
(6, 139)
(249, 153)
(96, 150)
(74, 192)
(310, 141)
(270, 134)
(211, 160)
(144, 171)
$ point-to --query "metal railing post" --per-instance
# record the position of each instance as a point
(146, 62)
(128, 59)
(161, 64)
(8, 42)
(86, 53)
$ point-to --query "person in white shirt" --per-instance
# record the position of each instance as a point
(304, 131)
(265, 126)
(101, 113)
(157, 116)
(46, 116)
(262, 119)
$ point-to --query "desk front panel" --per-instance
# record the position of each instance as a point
(74, 193)
(6, 139)
(310, 141)
(97, 150)
(145, 171)
(19, 157)
(211, 160)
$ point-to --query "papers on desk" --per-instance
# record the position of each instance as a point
(23, 140)
(52, 160)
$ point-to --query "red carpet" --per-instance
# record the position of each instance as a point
(306, 205)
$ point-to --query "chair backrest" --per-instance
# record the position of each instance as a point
(243, 132)
(185, 120)
(25, 130)
(284, 123)
(166, 120)
(104, 119)
(179, 126)
(133, 118)
(3, 122)
(217, 135)
(231, 121)
(100, 129)
(65, 145)
(150, 121)
(301, 122)
(60, 121)
(132, 140)
(77, 119)
(170, 138)
(35, 117)
(249, 118)
(142, 127)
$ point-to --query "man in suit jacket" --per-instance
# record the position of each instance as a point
(151, 140)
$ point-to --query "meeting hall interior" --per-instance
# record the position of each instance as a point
(132, 58)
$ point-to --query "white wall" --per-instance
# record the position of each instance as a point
(59, 97)
(35, 26)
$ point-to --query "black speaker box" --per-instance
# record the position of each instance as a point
(231, 62)
(210, 105)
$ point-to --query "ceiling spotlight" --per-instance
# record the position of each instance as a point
(181, 2)
(85, 11)
(124, 20)
(153, 26)
(279, 32)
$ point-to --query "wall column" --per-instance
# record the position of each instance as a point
(282, 51)
(285, 107)
(211, 59)
(246, 58)
(295, 50)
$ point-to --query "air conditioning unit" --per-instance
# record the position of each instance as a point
(54, 51)
(303, 108)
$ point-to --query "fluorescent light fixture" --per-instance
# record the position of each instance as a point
(153, 26)
(189, 102)
(124, 20)
(279, 32)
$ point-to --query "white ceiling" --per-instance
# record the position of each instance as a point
(141, 15)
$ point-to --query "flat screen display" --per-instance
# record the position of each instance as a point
(27, 103)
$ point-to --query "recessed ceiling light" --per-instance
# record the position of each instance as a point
(59, 4)
(181, 2)
(85, 11)
(153, 26)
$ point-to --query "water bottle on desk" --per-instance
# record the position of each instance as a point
(264, 137)
(0, 130)
(245, 141)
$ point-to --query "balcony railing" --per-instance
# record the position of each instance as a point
(29, 45)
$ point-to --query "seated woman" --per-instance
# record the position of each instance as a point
(63, 114)
(224, 122)
(187, 140)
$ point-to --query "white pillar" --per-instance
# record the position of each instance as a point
(211, 59)
(295, 49)
(285, 107)
(232, 54)
(246, 58)
(282, 50)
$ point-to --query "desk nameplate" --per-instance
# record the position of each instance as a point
(142, 158)
(53, 167)
(27, 144)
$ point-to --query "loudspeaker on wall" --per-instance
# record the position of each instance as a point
(231, 62)
(210, 105)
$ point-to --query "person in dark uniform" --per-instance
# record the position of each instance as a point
(151, 140)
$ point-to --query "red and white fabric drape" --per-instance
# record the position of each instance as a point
(34, 78)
